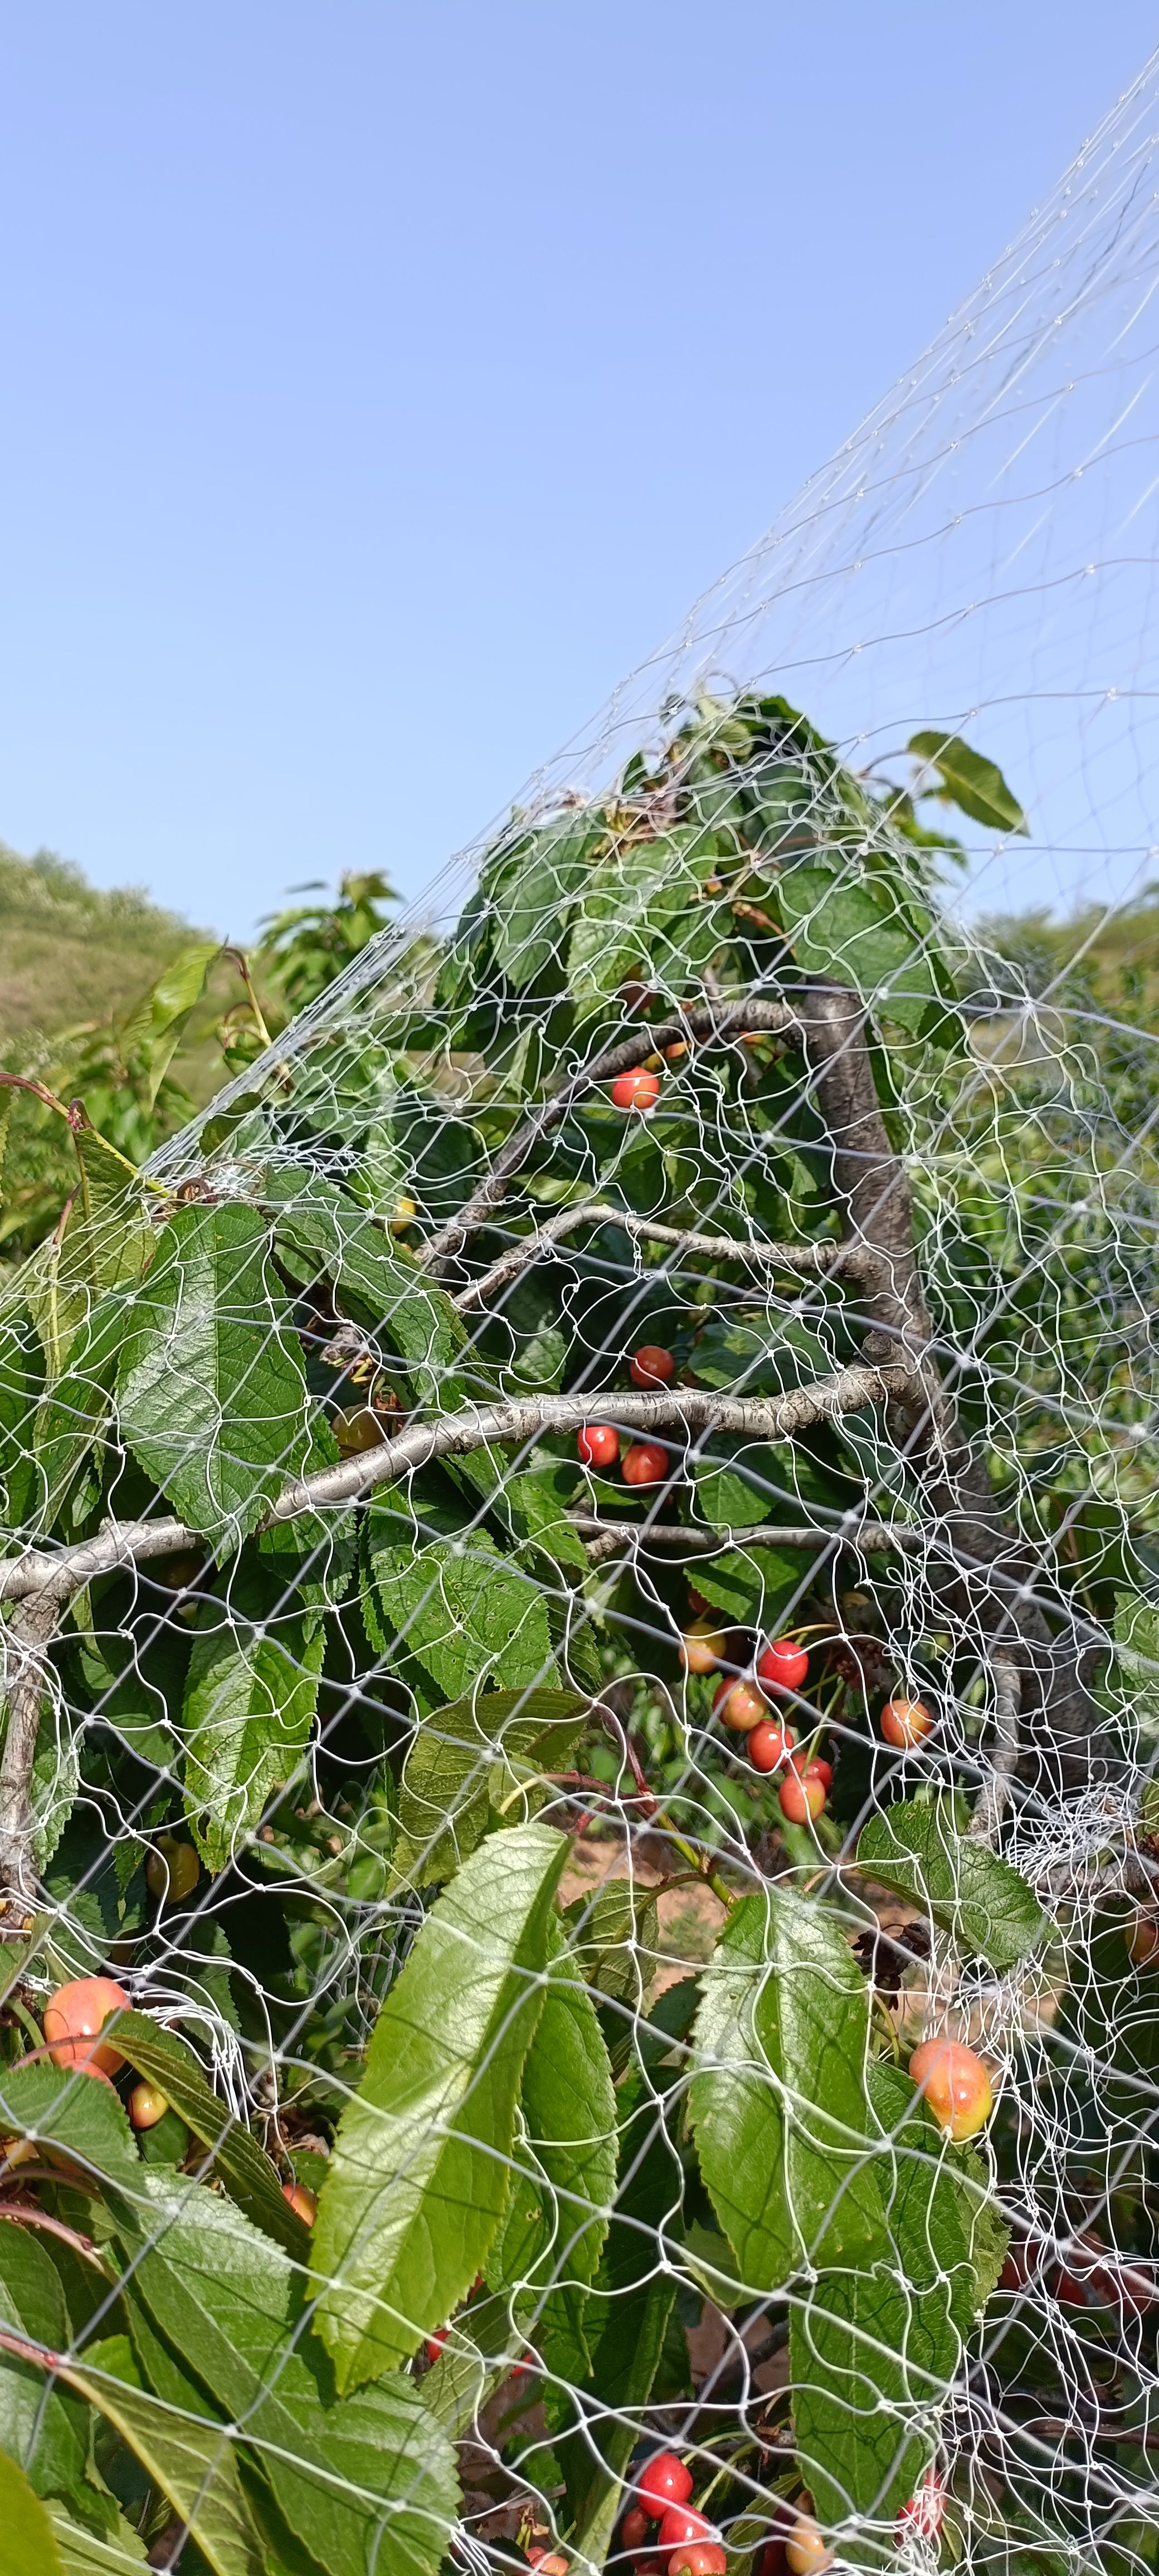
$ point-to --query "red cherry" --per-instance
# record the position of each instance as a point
(956, 2085)
(822, 1771)
(783, 1665)
(1143, 1940)
(738, 1704)
(770, 1744)
(74, 2015)
(435, 2343)
(904, 1722)
(925, 2512)
(650, 1366)
(634, 2530)
(638, 1090)
(301, 2200)
(802, 1796)
(665, 2479)
(682, 2522)
(698, 2558)
(598, 1444)
(646, 1463)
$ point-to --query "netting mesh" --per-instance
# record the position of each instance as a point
(582, 1609)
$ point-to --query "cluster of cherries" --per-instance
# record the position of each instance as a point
(646, 1462)
(686, 2545)
(75, 2016)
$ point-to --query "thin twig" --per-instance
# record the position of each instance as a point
(987, 1817)
(720, 1022)
(798, 1260)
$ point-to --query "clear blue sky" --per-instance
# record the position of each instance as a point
(382, 380)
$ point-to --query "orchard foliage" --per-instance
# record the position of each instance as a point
(329, 1621)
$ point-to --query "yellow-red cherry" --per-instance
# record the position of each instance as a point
(802, 1796)
(904, 1722)
(956, 2085)
(304, 2202)
(702, 1647)
(359, 1427)
(651, 1366)
(782, 1665)
(172, 1870)
(698, 2558)
(738, 1704)
(646, 1463)
(665, 2479)
(146, 2106)
(770, 1744)
(638, 1090)
(805, 2549)
(74, 2015)
(598, 1444)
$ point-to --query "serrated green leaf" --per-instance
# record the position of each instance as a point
(534, 888)
(466, 1761)
(83, 2554)
(974, 784)
(362, 2482)
(418, 2175)
(192, 2462)
(157, 1026)
(248, 2175)
(250, 1700)
(626, 2321)
(859, 933)
(46, 2431)
(564, 2178)
(778, 2098)
(917, 1849)
(72, 2114)
(212, 1393)
(74, 1407)
(112, 1245)
(469, 1614)
(28, 2546)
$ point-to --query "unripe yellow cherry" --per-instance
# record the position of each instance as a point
(146, 2106)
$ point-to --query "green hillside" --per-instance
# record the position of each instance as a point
(69, 952)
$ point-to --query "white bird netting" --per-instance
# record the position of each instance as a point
(582, 1582)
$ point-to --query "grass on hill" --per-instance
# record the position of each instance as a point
(70, 952)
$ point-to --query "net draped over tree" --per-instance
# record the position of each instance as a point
(581, 1608)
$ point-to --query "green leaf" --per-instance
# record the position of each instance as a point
(875, 2352)
(29, 2544)
(70, 2114)
(778, 2097)
(82, 2554)
(755, 1585)
(353, 2478)
(468, 1760)
(533, 890)
(249, 1708)
(212, 1392)
(860, 933)
(1136, 1633)
(974, 784)
(390, 1296)
(626, 2320)
(73, 1410)
(419, 2172)
(109, 1236)
(565, 2167)
(47, 2432)
(193, 2463)
(157, 1026)
(248, 2175)
(465, 1611)
(918, 1849)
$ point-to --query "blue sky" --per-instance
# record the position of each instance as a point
(382, 382)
